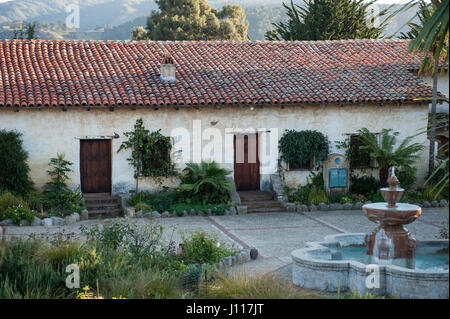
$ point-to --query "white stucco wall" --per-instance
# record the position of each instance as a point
(50, 131)
(443, 82)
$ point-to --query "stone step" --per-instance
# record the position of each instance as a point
(247, 196)
(101, 200)
(102, 206)
(109, 213)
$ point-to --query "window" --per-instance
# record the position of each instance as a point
(297, 166)
(360, 158)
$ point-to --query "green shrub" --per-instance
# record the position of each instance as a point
(58, 197)
(35, 200)
(206, 182)
(317, 196)
(143, 207)
(375, 197)
(13, 162)
(216, 209)
(202, 248)
(407, 177)
(363, 185)
(161, 201)
(7, 200)
(301, 195)
(138, 198)
(18, 213)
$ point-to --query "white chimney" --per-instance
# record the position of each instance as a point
(168, 69)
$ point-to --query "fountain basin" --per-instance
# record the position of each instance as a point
(320, 266)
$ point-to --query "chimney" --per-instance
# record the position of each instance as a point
(168, 68)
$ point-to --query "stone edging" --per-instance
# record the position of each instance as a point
(291, 207)
(50, 221)
(242, 257)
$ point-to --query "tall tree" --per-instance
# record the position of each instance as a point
(431, 38)
(194, 20)
(29, 32)
(328, 20)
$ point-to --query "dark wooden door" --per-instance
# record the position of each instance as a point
(95, 166)
(246, 165)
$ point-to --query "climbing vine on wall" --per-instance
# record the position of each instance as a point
(150, 152)
(298, 147)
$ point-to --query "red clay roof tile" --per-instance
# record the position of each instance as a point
(115, 73)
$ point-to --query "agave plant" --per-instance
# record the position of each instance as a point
(385, 155)
(208, 180)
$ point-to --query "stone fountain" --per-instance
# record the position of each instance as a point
(388, 261)
(391, 242)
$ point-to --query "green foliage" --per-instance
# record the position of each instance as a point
(13, 162)
(384, 154)
(18, 213)
(7, 200)
(143, 207)
(432, 37)
(216, 209)
(363, 185)
(353, 155)
(194, 20)
(407, 177)
(150, 152)
(161, 201)
(201, 247)
(135, 199)
(28, 33)
(425, 11)
(298, 147)
(328, 20)
(58, 197)
(317, 196)
(311, 193)
(206, 182)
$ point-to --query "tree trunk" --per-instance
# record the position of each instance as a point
(384, 175)
(432, 117)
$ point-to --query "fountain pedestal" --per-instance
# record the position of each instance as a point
(391, 242)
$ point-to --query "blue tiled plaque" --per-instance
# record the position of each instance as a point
(337, 177)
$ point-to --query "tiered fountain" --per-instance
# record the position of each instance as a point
(390, 242)
(387, 261)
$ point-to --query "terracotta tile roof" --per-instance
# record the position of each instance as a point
(117, 73)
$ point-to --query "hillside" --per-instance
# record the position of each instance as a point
(114, 19)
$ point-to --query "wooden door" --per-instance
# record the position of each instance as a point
(95, 166)
(246, 167)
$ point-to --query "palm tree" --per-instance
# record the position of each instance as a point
(208, 180)
(431, 38)
(385, 155)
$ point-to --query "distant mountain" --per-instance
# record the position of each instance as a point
(114, 19)
(93, 13)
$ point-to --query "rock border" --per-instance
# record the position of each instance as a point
(291, 207)
(241, 257)
(49, 221)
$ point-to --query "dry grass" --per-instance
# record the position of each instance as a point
(243, 286)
